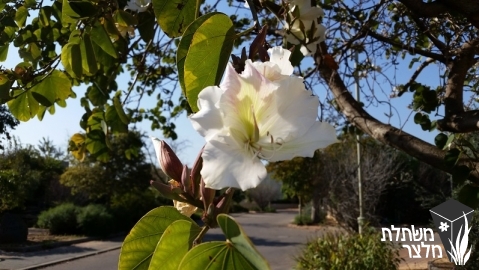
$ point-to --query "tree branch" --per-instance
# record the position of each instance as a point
(384, 133)
(412, 50)
(425, 10)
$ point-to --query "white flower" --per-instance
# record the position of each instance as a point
(304, 29)
(138, 5)
(264, 113)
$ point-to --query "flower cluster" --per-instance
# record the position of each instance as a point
(264, 113)
(301, 25)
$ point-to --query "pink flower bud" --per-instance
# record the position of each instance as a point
(169, 162)
(196, 175)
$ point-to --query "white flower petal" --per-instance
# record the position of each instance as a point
(320, 135)
(311, 14)
(224, 165)
(208, 121)
(280, 57)
(294, 112)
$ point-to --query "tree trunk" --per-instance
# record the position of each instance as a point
(316, 207)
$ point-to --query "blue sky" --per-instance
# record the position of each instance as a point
(65, 122)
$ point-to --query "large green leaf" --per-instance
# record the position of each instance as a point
(236, 253)
(24, 106)
(141, 242)
(176, 241)
(21, 16)
(53, 87)
(184, 46)
(89, 63)
(68, 15)
(241, 242)
(100, 37)
(3, 52)
(175, 15)
(72, 59)
(208, 56)
(114, 121)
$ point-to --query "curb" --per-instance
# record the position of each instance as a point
(42, 265)
(61, 243)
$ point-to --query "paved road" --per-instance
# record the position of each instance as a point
(269, 232)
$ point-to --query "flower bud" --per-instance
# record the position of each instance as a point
(166, 191)
(196, 175)
(207, 195)
(185, 180)
(169, 162)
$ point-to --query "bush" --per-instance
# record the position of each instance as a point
(128, 208)
(95, 220)
(61, 219)
(303, 219)
(349, 251)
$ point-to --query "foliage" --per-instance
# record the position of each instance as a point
(127, 208)
(349, 251)
(95, 220)
(26, 178)
(7, 122)
(99, 181)
(61, 219)
(156, 241)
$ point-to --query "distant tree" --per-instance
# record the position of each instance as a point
(7, 122)
(100, 181)
(48, 149)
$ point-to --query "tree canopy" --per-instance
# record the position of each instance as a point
(166, 46)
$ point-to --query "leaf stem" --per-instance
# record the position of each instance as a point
(200, 236)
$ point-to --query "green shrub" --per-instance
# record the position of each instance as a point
(95, 220)
(128, 208)
(61, 219)
(349, 252)
(303, 219)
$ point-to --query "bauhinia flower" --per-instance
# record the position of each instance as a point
(262, 114)
(124, 30)
(303, 27)
(138, 5)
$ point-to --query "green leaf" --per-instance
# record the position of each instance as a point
(236, 253)
(185, 44)
(469, 195)
(440, 140)
(89, 64)
(72, 60)
(208, 56)
(124, 18)
(119, 110)
(241, 242)
(174, 17)
(175, 242)
(96, 95)
(114, 121)
(21, 16)
(451, 157)
(68, 15)
(141, 242)
(146, 26)
(24, 107)
(84, 9)
(101, 38)
(3, 53)
(53, 87)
